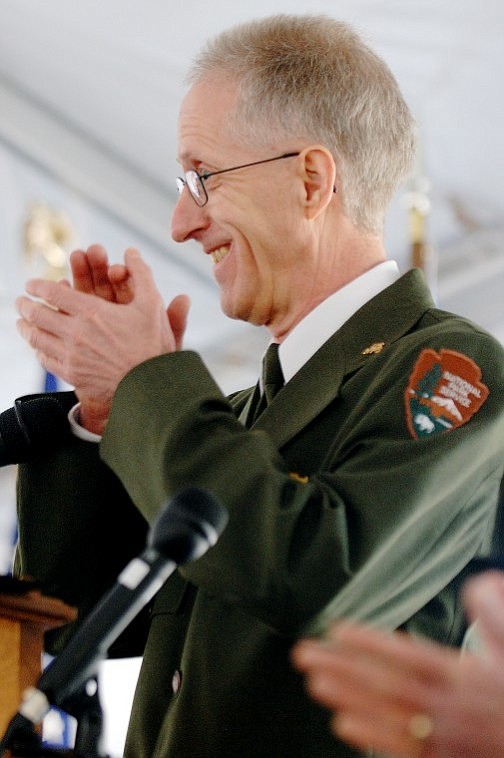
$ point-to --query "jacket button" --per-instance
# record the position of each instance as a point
(176, 681)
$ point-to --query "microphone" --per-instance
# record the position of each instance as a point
(32, 424)
(189, 525)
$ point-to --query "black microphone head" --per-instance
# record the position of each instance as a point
(190, 524)
(34, 422)
(14, 444)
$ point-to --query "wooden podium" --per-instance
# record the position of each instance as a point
(24, 617)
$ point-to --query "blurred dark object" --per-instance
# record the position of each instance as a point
(9, 585)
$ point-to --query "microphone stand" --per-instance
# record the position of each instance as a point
(23, 741)
(186, 528)
(86, 708)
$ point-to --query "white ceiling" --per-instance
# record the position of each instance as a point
(89, 93)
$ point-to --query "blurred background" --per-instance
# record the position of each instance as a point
(89, 94)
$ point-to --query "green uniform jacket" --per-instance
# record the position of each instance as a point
(363, 490)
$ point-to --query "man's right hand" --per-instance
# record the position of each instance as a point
(94, 334)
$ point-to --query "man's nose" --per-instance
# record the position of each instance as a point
(188, 218)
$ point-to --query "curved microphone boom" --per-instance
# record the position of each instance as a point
(189, 525)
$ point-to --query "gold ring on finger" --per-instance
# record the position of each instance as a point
(420, 726)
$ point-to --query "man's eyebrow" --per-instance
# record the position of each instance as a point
(186, 158)
(196, 164)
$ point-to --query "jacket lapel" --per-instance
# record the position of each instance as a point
(314, 386)
(368, 333)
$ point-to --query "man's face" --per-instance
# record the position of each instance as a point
(249, 226)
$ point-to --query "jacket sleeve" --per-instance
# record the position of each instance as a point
(377, 531)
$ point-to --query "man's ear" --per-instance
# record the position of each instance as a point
(319, 177)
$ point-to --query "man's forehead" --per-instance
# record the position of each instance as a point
(216, 89)
(204, 118)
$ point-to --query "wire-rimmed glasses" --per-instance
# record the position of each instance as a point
(195, 182)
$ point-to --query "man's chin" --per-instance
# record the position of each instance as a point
(240, 312)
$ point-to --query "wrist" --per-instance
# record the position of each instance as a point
(93, 416)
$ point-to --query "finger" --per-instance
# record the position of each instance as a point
(121, 282)
(98, 263)
(177, 312)
(484, 600)
(360, 673)
(424, 659)
(90, 272)
(308, 654)
(40, 315)
(60, 297)
(142, 281)
(338, 681)
(81, 275)
(118, 273)
(99, 266)
(332, 679)
(47, 346)
(146, 295)
(366, 731)
(366, 715)
(97, 255)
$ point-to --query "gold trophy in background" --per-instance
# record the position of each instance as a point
(48, 235)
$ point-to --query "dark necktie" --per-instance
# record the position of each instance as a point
(272, 381)
(272, 376)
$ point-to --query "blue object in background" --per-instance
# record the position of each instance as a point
(50, 382)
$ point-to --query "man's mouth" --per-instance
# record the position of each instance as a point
(219, 253)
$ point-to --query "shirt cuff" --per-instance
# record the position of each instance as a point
(77, 429)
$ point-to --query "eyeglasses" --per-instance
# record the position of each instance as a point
(195, 182)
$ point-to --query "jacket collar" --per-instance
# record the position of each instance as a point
(383, 319)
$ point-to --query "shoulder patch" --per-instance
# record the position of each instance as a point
(444, 392)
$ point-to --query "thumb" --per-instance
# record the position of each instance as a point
(177, 313)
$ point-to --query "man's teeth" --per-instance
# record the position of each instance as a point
(219, 253)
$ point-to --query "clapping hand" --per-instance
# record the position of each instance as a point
(92, 334)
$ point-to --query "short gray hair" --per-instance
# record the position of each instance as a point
(311, 77)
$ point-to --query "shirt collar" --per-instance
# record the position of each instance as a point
(324, 320)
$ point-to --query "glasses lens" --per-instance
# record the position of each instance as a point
(195, 187)
(180, 184)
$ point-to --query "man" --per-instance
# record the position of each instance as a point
(368, 481)
(412, 698)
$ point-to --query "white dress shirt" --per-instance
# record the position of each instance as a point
(316, 328)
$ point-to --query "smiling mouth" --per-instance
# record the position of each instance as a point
(219, 253)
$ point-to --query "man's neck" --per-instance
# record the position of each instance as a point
(352, 256)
